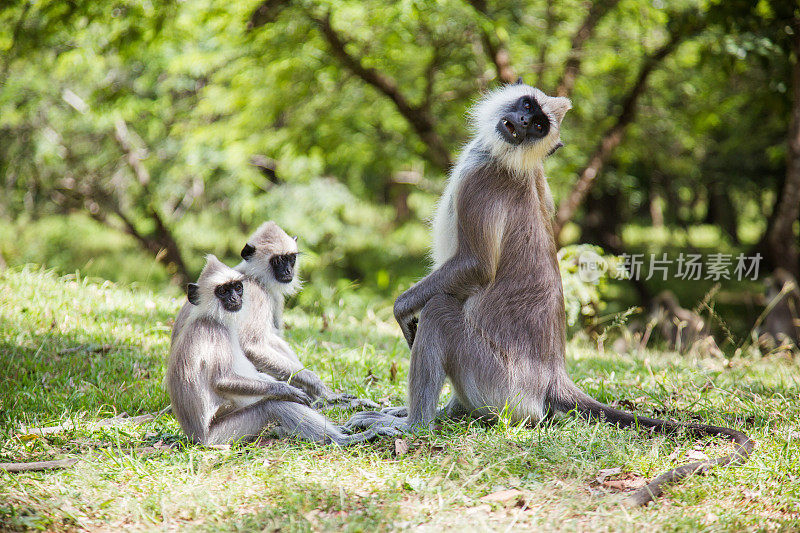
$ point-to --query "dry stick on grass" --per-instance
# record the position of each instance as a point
(90, 348)
(118, 420)
(39, 466)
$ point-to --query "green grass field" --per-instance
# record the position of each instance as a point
(77, 351)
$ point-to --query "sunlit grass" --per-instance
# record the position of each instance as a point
(122, 336)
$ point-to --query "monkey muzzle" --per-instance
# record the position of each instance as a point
(283, 267)
(524, 120)
(232, 302)
(284, 276)
(517, 127)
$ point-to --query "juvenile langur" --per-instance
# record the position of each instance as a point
(269, 263)
(268, 269)
(217, 394)
(491, 313)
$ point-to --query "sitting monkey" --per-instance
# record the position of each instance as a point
(268, 269)
(269, 264)
(217, 394)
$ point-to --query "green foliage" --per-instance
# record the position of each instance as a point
(202, 95)
(204, 88)
(77, 243)
(583, 288)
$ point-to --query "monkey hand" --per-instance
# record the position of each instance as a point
(291, 394)
(409, 327)
(404, 314)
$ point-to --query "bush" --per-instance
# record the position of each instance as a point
(584, 274)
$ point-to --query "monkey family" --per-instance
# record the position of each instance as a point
(231, 375)
(489, 317)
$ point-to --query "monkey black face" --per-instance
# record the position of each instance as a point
(283, 267)
(523, 121)
(230, 295)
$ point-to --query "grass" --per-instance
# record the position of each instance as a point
(79, 350)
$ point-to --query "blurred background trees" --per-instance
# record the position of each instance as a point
(137, 136)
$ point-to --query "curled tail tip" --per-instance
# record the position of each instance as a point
(640, 498)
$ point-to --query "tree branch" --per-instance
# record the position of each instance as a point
(549, 20)
(430, 78)
(418, 117)
(133, 156)
(266, 12)
(597, 11)
(161, 238)
(613, 136)
(495, 47)
(90, 194)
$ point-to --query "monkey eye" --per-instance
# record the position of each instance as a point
(220, 291)
(527, 105)
(237, 286)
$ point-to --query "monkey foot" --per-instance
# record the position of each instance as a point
(346, 401)
(401, 411)
(383, 431)
(377, 421)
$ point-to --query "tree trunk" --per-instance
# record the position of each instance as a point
(419, 118)
(781, 239)
(721, 211)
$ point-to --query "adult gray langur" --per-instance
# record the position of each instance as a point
(217, 395)
(491, 313)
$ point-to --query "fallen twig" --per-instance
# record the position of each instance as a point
(119, 420)
(65, 463)
(39, 465)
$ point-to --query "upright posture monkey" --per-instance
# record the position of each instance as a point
(217, 394)
(268, 269)
(269, 262)
(491, 313)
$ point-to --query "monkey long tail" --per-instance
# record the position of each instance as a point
(590, 408)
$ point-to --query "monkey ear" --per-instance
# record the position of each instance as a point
(193, 293)
(520, 81)
(248, 251)
(555, 147)
(560, 106)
